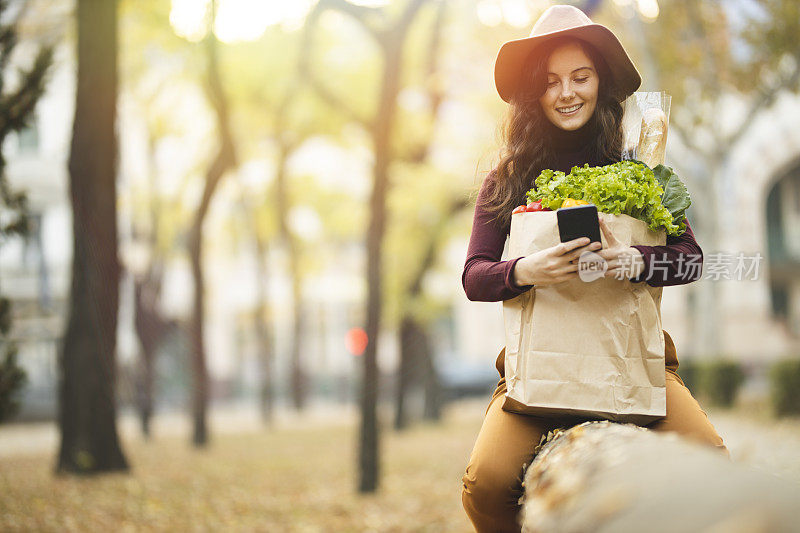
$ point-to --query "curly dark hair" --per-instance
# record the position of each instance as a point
(526, 150)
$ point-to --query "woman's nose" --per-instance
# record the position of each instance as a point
(566, 91)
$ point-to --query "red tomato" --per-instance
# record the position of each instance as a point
(520, 209)
(534, 206)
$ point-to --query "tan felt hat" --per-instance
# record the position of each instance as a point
(557, 21)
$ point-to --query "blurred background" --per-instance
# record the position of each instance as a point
(288, 188)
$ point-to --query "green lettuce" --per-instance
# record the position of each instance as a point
(656, 196)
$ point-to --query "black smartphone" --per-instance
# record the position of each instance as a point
(578, 221)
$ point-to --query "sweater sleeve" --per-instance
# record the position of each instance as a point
(679, 262)
(485, 277)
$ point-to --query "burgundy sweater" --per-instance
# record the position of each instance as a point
(488, 279)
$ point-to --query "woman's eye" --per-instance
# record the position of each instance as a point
(551, 83)
(581, 80)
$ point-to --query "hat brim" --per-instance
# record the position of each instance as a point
(512, 55)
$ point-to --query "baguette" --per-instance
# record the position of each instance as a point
(652, 137)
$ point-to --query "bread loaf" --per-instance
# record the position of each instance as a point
(652, 137)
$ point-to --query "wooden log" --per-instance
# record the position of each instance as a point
(601, 476)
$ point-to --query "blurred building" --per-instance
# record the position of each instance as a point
(35, 272)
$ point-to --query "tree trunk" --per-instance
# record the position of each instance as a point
(393, 41)
(433, 389)
(198, 351)
(224, 160)
(87, 365)
(406, 373)
(299, 377)
(369, 443)
(417, 373)
(263, 330)
(149, 323)
(150, 329)
(607, 477)
(297, 374)
(416, 354)
(391, 38)
(146, 399)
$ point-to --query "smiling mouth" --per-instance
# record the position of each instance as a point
(568, 111)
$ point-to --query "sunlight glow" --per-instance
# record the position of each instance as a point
(648, 9)
(516, 13)
(237, 20)
(489, 13)
(246, 20)
(188, 18)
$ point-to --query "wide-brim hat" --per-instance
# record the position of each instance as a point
(562, 21)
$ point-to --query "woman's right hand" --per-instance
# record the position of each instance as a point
(552, 265)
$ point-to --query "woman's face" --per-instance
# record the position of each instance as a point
(570, 95)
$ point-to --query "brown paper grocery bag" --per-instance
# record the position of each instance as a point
(590, 349)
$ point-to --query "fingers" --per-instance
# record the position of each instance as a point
(569, 268)
(575, 254)
(607, 232)
(564, 247)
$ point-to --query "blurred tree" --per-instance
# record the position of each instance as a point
(265, 96)
(390, 32)
(262, 319)
(151, 330)
(156, 74)
(87, 407)
(224, 161)
(16, 111)
(267, 106)
(416, 367)
(287, 141)
(417, 358)
(715, 54)
(151, 326)
(274, 107)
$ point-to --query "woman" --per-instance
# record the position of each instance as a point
(565, 85)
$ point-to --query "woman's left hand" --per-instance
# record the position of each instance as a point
(624, 261)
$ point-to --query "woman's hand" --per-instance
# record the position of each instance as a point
(624, 261)
(552, 265)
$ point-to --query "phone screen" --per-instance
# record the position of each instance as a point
(578, 221)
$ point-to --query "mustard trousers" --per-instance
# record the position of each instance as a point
(492, 483)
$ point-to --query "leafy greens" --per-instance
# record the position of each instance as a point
(656, 196)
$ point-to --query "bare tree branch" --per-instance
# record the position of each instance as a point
(408, 15)
(711, 71)
(372, 18)
(306, 71)
(764, 99)
(686, 138)
(433, 87)
(712, 74)
(429, 257)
